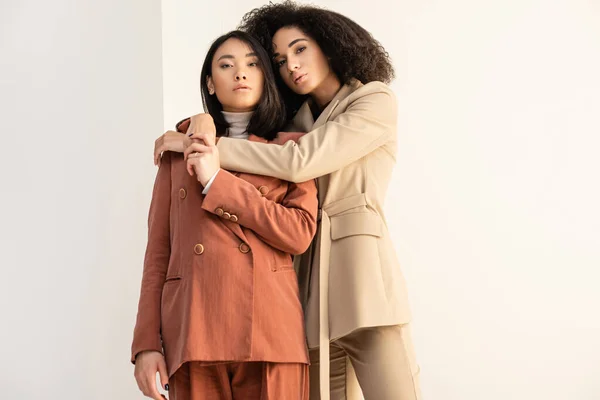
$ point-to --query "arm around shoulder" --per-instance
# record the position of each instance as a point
(368, 122)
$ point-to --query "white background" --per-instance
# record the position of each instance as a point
(493, 206)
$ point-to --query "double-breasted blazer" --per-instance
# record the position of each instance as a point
(350, 278)
(218, 283)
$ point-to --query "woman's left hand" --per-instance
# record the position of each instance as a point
(170, 141)
(208, 138)
(203, 160)
(202, 127)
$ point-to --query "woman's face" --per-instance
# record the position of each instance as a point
(300, 60)
(237, 79)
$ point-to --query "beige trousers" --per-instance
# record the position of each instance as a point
(379, 362)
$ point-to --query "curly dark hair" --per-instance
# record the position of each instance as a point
(352, 50)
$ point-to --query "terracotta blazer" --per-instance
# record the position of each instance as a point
(351, 277)
(218, 282)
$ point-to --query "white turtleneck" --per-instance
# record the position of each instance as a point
(238, 122)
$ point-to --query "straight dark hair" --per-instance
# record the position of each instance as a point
(269, 116)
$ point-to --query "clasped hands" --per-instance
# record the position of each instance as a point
(198, 146)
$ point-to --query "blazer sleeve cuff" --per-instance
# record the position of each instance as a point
(149, 345)
(209, 184)
(220, 188)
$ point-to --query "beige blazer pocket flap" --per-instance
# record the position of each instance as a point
(355, 224)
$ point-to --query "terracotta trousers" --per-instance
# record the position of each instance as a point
(379, 362)
(240, 381)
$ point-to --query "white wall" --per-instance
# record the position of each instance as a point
(188, 31)
(497, 218)
(494, 202)
(493, 206)
(80, 106)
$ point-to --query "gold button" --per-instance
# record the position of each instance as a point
(263, 190)
(234, 218)
(182, 193)
(244, 248)
(226, 215)
(198, 249)
(219, 212)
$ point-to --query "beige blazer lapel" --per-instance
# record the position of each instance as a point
(344, 92)
(303, 120)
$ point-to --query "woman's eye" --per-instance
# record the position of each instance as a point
(253, 64)
(280, 63)
(225, 66)
(300, 49)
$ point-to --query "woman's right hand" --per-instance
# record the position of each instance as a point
(200, 123)
(147, 364)
(170, 141)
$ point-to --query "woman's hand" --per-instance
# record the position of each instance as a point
(284, 137)
(170, 141)
(201, 127)
(203, 160)
(147, 364)
(201, 123)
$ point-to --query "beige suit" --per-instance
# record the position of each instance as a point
(350, 278)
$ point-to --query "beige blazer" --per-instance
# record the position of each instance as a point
(350, 277)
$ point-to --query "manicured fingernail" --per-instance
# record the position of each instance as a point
(167, 387)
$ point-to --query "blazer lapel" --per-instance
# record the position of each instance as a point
(236, 229)
(344, 92)
(303, 120)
